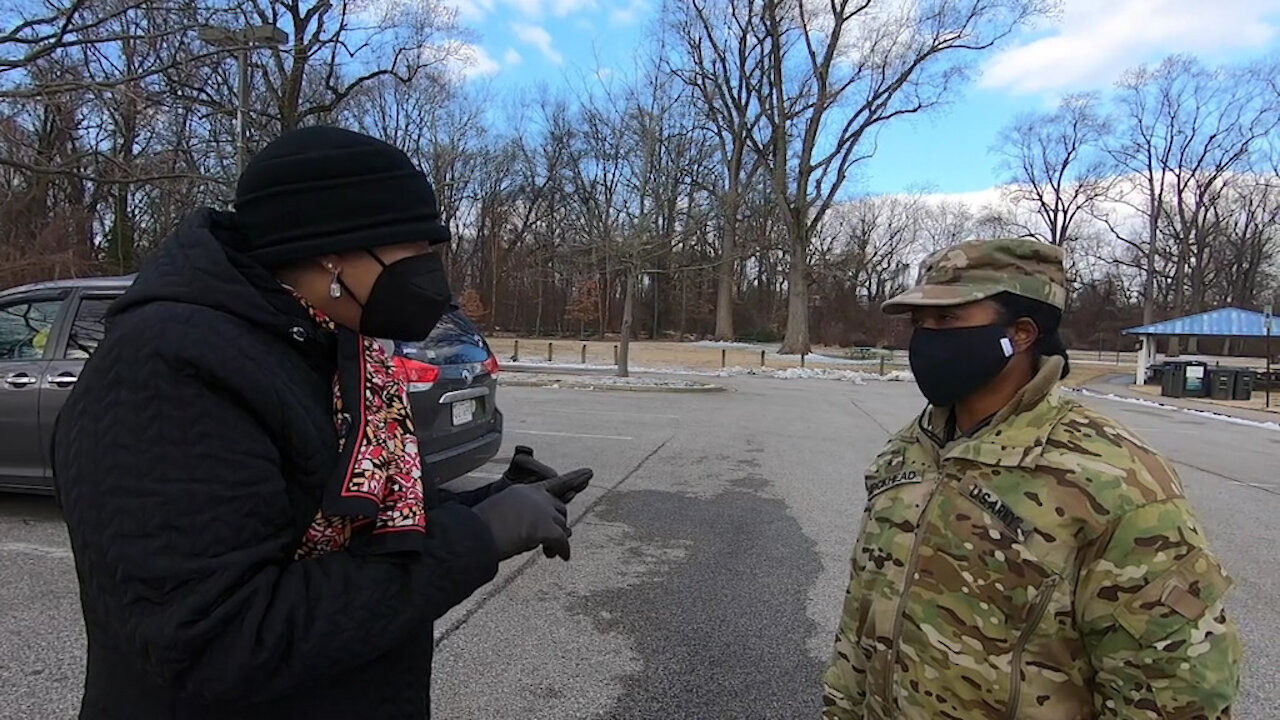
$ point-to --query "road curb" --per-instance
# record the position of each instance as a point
(1222, 416)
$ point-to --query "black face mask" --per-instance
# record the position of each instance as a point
(950, 365)
(407, 300)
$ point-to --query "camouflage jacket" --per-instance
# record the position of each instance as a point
(1047, 567)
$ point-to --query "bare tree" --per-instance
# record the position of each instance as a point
(1143, 146)
(1249, 218)
(835, 73)
(1056, 165)
(1215, 146)
(942, 224)
(335, 50)
(37, 36)
(1183, 133)
(723, 58)
(866, 244)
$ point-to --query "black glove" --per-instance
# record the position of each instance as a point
(522, 517)
(525, 470)
(567, 486)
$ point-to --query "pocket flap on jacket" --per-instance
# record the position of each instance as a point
(1180, 596)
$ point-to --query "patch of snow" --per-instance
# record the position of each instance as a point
(853, 376)
(724, 344)
(772, 352)
(1266, 425)
(857, 378)
(544, 365)
(832, 360)
(552, 381)
(808, 373)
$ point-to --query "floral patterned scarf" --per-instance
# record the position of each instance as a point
(375, 502)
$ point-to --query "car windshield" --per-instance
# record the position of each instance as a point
(454, 341)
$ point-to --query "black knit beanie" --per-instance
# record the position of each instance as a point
(322, 190)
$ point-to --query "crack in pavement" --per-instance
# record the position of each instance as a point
(1245, 483)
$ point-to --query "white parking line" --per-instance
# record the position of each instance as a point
(485, 476)
(572, 435)
(609, 412)
(32, 549)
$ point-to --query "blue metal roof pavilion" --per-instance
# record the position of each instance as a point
(1226, 322)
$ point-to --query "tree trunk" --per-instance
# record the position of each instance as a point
(537, 323)
(728, 266)
(684, 309)
(628, 305)
(606, 312)
(1197, 284)
(1179, 293)
(1149, 286)
(123, 236)
(796, 339)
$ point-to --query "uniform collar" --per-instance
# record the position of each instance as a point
(1013, 436)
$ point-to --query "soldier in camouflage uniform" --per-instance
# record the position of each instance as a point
(1022, 556)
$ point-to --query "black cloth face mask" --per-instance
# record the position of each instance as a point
(408, 298)
(952, 364)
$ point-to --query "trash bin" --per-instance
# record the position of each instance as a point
(1168, 379)
(1243, 389)
(1222, 383)
(1186, 379)
(1156, 375)
(1197, 379)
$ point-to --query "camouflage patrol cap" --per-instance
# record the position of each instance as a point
(978, 269)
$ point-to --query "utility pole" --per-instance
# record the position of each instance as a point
(1266, 320)
(241, 42)
(242, 109)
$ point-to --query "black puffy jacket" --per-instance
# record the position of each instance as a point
(189, 460)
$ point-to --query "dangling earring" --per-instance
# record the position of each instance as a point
(335, 287)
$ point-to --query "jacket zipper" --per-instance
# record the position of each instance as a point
(908, 581)
(1042, 605)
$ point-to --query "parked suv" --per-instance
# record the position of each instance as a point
(48, 330)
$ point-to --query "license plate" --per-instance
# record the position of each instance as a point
(463, 412)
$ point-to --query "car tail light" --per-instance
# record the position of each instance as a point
(419, 375)
(491, 365)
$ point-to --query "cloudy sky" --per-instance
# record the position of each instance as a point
(522, 43)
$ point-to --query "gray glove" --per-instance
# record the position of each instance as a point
(522, 517)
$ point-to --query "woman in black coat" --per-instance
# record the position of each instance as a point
(238, 468)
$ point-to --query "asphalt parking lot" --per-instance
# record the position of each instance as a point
(709, 557)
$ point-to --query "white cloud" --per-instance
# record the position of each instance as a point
(512, 57)
(603, 74)
(471, 11)
(628, 14)
(1096, 40)
(537, 36)
(562, 8)
(474, 61)
(474, 11)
